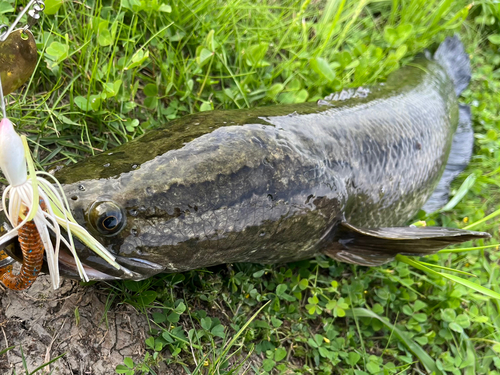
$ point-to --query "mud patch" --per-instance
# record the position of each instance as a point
(71, 320)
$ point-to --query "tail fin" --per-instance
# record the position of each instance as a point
(373, 247)
(460, 154)
(451, 55)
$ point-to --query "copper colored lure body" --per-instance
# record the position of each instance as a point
(32, 250)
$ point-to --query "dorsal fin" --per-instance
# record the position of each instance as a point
(345, 94)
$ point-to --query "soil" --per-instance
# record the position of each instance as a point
(71, 320)
(76, 322)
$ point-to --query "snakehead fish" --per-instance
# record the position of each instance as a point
(341, 177)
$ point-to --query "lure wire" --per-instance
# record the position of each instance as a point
(5, 260)
(34, 9)
(4, 112)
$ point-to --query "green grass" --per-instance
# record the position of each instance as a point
(111, 70)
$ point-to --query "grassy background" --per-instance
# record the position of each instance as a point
(110, 70)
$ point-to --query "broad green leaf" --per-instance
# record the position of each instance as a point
(268, 364)
(495, 39)
(203, 55)
(456, 327)
(181, 307)
(218, 331)
(279, 354)
(159, 318)
(401, 51)
(404, 31)
(353, 358)
(320, 66)
(419, 305)
(134, 5)
(105, 38)
(344, 58)
(57, 51)
(206, 106)
(52, 6)
(374, 368)
(276, 322)
(324, 352)
(274, 90)
(206, 323)
(463, 320)
(150, 90)
(150, 342)
(255, 54)
(280, 289)
(173, 317)
(151, 102)
(258, 273)
(464, 188)
(148, 297)
(112, 88)
(137, 59)
(165, 8)
(407, 310)
(128, 362)
(82, 103)
(5, 7)
(390, 35)
(420, 317)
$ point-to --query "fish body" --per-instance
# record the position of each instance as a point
(277, 184)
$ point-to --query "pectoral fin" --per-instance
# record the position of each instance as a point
(373, 247)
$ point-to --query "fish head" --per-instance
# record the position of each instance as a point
(234, 194)
(112, 219)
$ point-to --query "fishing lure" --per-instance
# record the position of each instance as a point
(32, 249)
(5, 263)
(34, 202)
(24, 194)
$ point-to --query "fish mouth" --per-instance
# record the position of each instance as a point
(67, 265)
(98, 269)
(95, 267)
(68, 268)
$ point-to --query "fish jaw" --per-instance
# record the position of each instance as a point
(96, 268)
(130, 269)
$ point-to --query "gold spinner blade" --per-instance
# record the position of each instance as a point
(18, 58)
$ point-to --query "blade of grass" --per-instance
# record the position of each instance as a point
(239, 333)
(447, 269)
(464, 282)
(486, 218)
(466, 249)
(412, 346)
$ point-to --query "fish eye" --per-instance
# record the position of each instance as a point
(106, 217)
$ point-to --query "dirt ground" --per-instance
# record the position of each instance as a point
(44, 322)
